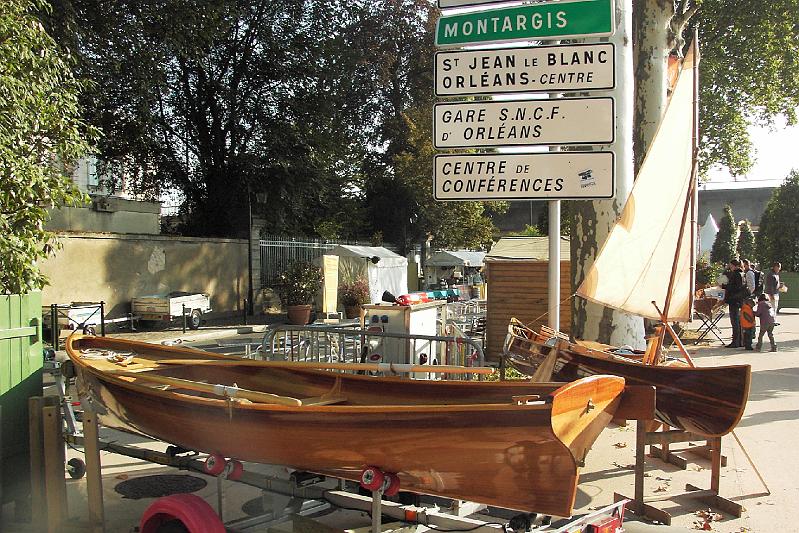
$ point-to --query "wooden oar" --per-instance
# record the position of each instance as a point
(219, 390)
(378, 367)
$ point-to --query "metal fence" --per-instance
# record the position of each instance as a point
(278, 252)
(330, 344)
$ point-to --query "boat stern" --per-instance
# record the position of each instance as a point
(581, 410)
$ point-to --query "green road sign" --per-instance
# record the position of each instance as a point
(553, 20)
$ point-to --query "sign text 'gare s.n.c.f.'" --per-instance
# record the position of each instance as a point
(577, 67)
(544, 176)
(524, 123)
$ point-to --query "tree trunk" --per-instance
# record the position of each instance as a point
(592, 221)
(653, 43)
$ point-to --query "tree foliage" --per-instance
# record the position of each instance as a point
(227, 100)
(41, 136)
(724, 247)
(746, 241)
(778, 238)
(750, 60)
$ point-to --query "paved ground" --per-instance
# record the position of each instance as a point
(768, 432)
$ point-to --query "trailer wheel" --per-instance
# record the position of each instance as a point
(372, 478)
(180, 512)
(76, 468)
(214, 464)
(393, 484)
(195, 318)
(234, 469)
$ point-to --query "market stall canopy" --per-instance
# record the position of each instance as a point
(707, 235)
(448, 258)
(384, 269)
(526, 248)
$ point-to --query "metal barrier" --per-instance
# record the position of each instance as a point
(355, 345)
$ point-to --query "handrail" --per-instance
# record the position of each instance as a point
(359, 338)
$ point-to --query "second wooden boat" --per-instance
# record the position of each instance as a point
(514, 445)
(709, 401)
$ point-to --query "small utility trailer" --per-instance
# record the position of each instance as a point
(176, 304)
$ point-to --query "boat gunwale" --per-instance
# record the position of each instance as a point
(125, 381)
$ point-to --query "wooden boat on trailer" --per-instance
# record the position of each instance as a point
(516, 445)
(708, 401)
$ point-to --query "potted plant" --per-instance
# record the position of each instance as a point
(297, 287)
(353, 294)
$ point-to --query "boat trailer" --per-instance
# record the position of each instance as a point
(296, 498)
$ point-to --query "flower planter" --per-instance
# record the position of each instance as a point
(352, 311)
(299, 315)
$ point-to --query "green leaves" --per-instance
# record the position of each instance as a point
(724, 247)
(778, 238)
(41, 136)
(749, 71)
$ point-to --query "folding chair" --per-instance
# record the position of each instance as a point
(709, 310)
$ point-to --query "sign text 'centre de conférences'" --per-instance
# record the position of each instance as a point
(577, 67)
(544, 176)
(568, 19)
(524, 123)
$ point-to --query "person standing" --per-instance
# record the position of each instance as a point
(734, 296)
(772, 286)
(765, 312)
(749, 277)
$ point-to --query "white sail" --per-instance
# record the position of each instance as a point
(634, 266)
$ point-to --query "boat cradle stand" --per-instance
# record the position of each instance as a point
(711, 497)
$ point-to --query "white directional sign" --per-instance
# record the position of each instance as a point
(546, 175)
(524, 123)
(577, 67)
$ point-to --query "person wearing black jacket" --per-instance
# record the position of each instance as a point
(734, 292)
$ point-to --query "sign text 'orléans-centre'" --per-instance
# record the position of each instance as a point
(577, 67)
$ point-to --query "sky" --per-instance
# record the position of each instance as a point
(777, 154)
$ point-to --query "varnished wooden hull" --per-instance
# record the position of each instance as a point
(709, 401)
(464, 440)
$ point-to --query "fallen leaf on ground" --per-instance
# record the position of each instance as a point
(659, 478)
(661, 488)
(122, 476)
(620, 445)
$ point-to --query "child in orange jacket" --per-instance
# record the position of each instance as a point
(748, 323)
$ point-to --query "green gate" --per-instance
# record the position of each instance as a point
(790, 298)
(20, 378)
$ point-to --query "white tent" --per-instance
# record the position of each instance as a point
(385, 270)
(707, 235)
(460, 258)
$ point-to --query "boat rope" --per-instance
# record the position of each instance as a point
(751, 462)
(539, 317)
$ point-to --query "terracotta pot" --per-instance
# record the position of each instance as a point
(299, 315)
(352, 311)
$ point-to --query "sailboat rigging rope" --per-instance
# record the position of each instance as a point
(536, 319)
(751, 462)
